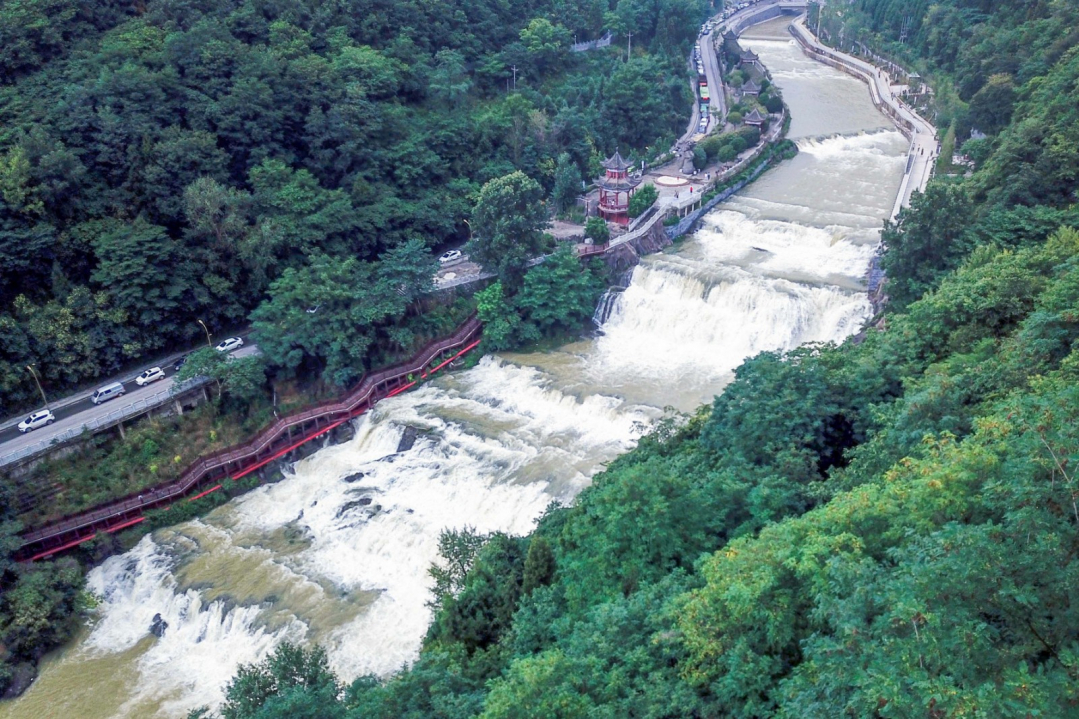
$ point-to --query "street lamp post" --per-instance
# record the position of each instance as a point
(38, 383)
(207, 331)
(469, 230)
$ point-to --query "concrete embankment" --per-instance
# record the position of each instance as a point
(922, 134)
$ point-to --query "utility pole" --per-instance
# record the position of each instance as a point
(629, 45)
(38, 383)
(514, 78)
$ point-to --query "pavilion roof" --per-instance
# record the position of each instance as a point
(751, 88)
(616, 162)
(754, 116)
(750, 56)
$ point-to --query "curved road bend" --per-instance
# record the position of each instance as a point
(717, 101)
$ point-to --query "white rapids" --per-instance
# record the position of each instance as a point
(337, 553)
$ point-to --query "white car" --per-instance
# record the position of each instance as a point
(230, 344)
(450, 256)
(151, 375)
(37, 419)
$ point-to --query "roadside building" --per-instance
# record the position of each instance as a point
(755, 118)
(750, 59)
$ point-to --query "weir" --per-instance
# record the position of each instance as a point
(337, 552)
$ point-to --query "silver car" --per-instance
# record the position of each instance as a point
(230, 344)
(37, 419)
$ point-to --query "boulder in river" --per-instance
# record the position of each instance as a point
(361, 502)
(158, 626)
(408, 439)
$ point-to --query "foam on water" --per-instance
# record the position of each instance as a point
(497, 445)
(332, 557)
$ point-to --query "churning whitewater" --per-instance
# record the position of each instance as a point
(337, 553)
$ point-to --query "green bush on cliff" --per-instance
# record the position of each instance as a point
(558, 295)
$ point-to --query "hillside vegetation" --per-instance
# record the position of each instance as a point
(887, 528)
(168, 161)
(294, 164)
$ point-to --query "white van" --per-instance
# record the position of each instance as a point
(109, 391)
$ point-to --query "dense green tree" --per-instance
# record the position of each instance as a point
(700, 158)
(539, 566)
(559, 294)
(596, 230)
(642, 199)
(567, 183)
(292, 681)
(508, 225)
(546, 43)
(502, 324)
(330, 314)
(239, 377)
(450, 82)
(143, 272)
(992, 106)
(927, 241)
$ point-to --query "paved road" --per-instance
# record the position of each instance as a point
(717, 102)
(77, 410)
(717, 110)
(74, 414)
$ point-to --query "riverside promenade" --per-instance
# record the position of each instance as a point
(922, 134)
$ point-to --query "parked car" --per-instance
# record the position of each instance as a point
(450, 256)
(151, 375)
(109, 391)
(37, 419)
(230, 344)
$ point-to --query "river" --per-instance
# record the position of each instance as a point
(337, 552)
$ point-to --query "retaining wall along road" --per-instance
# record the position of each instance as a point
(920, 132)
(207, 474)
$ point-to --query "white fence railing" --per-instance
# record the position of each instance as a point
(592, 44)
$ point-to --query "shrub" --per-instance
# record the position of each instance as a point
(642, 200)
(751, 135)
(700, 158)
(596, 230)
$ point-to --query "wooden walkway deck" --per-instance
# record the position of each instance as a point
(209, 473)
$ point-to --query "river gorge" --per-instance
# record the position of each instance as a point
(337, 553)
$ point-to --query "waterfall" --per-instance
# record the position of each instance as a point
(605, 305)
(337, 552)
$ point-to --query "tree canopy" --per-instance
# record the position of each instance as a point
(885, 527)
(164, 162)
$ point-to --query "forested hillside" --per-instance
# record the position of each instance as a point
(166, 161)
(290, 163)
(887, 528)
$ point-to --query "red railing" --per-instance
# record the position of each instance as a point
(590, 250)
(279, 438)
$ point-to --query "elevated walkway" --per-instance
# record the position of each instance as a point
(209, 473)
